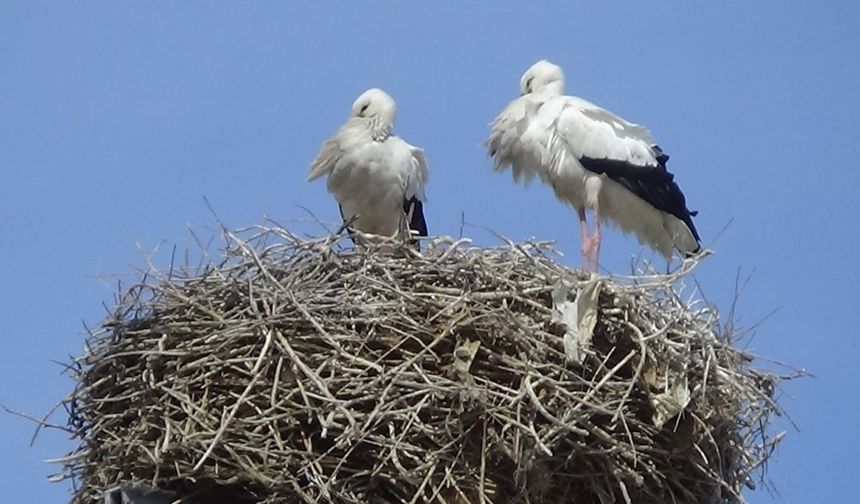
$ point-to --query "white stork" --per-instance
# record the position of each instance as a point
(377, 178)
(592, 159)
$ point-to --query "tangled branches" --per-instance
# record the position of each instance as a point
(291, 371)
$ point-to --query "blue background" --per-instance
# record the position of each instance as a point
(117, 118)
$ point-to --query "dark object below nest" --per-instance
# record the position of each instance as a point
(288, 372)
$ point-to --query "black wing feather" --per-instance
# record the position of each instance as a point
(417, 224)
(653, 184)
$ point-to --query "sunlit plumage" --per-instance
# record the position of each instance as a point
(377, 178)
(593, 160)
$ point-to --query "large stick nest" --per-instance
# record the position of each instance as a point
(295, 370)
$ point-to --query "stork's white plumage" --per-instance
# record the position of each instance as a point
(594, 160)
(377, 178)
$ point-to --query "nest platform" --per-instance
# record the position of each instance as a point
(303, 370)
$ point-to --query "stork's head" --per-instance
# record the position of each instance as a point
(543, 78)
(376, 105)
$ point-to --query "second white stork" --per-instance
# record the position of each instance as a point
(594, 160)
(377, 178)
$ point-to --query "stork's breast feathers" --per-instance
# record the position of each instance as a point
(338, 149)
(325, 160)
(518, 140)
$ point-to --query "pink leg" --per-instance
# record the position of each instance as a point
(595, 240)
(586, 240)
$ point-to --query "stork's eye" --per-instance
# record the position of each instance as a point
(529, 83)
(363, 108)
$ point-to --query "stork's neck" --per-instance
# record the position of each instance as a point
(380, 129)
(551, 89)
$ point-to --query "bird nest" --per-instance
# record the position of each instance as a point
(302, 370)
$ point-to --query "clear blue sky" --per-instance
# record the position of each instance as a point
(117, 118)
